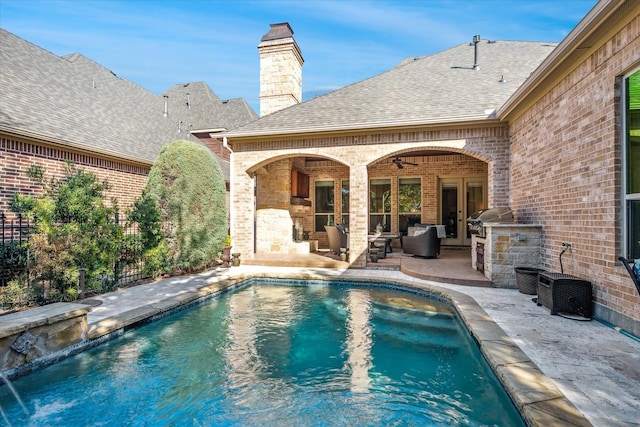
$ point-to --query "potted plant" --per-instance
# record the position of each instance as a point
(226, 251)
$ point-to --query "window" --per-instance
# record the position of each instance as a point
(324, 204)
(409, 203)
(379, 204)
(345, 201)
(631, 152)
(475, 199)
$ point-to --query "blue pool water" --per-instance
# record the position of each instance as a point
(269, 354)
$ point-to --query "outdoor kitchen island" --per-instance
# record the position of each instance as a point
(504, 246)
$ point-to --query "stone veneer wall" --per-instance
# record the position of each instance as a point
(126, 180)
(280, 75)
(508, 246)
(33, 334)
(566, 173)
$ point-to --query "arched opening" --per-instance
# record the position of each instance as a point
(296, 196)
(427, 186)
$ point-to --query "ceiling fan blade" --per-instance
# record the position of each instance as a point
(400, 163)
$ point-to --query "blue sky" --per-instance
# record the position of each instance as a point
(157, 44)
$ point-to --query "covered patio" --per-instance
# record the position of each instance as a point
(453, 265)
(291, 197)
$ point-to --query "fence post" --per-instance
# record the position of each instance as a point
(81, 272)
(116, 264)
(19, 254)
(29, 231)
(3, 218)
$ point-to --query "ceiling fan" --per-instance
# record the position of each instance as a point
(400, 163)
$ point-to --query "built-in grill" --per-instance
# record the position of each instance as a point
(477, 221)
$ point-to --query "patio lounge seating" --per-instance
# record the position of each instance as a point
(425, 244)
(337, 238)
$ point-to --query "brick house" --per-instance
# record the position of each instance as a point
(547, 129)
(56, 109)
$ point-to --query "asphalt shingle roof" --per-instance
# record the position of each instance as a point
(77, 102)
(439, 88)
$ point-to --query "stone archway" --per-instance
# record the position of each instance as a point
(282, 190)
(357, 156)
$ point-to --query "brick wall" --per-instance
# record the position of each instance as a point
(16, 156)
(216, 147)
(566, 170)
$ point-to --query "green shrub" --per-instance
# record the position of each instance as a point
(187, 186)
(146, 214)
(15, 293)
(16, 258)
(155, 261)
(21, 203)
(73, 229)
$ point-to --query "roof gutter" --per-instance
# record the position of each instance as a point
(452, 121)
(552, 65)
(49, 140)
(212, 130)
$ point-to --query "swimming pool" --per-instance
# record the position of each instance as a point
(267, 354)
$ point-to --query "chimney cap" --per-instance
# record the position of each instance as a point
(278, 31)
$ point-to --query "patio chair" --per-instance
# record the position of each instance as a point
(337, 238)
(411, 231)
(425, 245)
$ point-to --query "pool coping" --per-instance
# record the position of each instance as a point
(536, 397)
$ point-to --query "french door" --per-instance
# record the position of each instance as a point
(459, 198)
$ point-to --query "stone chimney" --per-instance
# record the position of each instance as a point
(280, 69)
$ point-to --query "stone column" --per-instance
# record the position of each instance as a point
(242, 214)
(358, 215)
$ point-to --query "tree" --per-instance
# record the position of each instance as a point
(188, 187)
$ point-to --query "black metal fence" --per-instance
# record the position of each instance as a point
(14, 251)
(16, 257)
(129, 263)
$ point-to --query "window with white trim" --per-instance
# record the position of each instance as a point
(631, 162)
(379, 205)
(409, 203)
(345, 201)
(324, 204)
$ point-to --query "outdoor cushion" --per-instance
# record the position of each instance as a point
(425, 245)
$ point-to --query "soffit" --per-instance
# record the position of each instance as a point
(605, 20)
